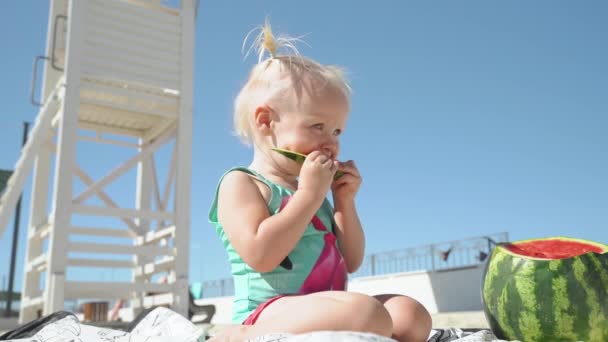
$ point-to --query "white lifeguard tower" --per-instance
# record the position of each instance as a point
(113, 69)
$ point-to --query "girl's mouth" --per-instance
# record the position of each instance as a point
(299, 158)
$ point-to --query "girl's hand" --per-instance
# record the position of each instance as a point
(345, 188)
(317, 174)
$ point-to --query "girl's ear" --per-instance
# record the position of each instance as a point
(263, 119)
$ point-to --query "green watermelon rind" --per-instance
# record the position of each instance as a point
(299, 158)
(547, 300)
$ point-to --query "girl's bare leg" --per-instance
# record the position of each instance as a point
(411, 321)
(330, 310)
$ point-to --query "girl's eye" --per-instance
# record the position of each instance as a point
(337, 131)
(318, 126)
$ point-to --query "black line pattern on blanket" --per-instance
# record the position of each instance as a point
(56, 331)
(160, 324)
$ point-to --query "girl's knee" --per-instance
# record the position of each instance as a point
(369, 315)
(411, 320)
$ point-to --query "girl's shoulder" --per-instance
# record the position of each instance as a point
(239, 179)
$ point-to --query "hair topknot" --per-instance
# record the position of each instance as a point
(265, 41)
(285, 70)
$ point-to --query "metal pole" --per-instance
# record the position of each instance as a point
(3, 289)
(11, 275)
(432, 257)
(373, 262)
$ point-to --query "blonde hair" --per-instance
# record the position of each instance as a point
(277, 74)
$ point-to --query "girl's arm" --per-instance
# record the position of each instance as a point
(349, 231)
(350, 234)
(263, 240)
(260, 239)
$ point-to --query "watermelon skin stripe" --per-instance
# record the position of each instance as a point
(600, 273)
(531, 299)
(544, 297)
(598, 321)
(562, 317)
(578, 303)
(529, 324)
(494, 294)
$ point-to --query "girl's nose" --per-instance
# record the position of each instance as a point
(330, 150)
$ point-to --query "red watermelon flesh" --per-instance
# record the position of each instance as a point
(553, 248)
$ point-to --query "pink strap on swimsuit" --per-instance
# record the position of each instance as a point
(328, 273)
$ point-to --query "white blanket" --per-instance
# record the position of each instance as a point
(445, 335)
(160, 325)
(164, 325)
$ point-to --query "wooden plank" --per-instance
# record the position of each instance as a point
(164, 265)
(154, 237)
(152, 118)
(131, 29)
(111, 290)
(148, 45)
(116, 10)
(82, 262)
(122, 212)
(106, 248)
(127, 92)
(161, 56)
(149, 149)
(107, 232)
(103, 196)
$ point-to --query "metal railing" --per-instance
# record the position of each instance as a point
(434, 257)
(218, 288)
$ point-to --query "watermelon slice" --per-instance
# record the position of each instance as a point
(299, 158)
(550, 289)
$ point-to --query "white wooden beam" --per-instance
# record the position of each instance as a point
(122, 212)
(66, 159)
(146, 151)
(113, 290)
(164, 265)
(155, 186)
(170, 179)
(105, 141)
(23, 167)
(32, 302)
(155, 236)
(110, 129)
(104, 197)
(37, 263)
(106, 248)
(82, 262)
(107, 232)
(183, 143)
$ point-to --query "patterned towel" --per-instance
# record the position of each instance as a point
(443, 335)
(159, 325)
(164, 325)
(458, 335)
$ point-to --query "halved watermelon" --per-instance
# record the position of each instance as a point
(551, 289)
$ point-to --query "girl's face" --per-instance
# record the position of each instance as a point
(315, 124)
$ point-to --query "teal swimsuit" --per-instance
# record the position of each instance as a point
(315, 264)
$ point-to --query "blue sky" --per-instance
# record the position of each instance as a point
(469, 117)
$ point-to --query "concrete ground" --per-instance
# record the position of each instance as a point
(461, 319)
(7, 324)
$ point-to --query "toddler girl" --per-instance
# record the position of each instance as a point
(290, 250)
